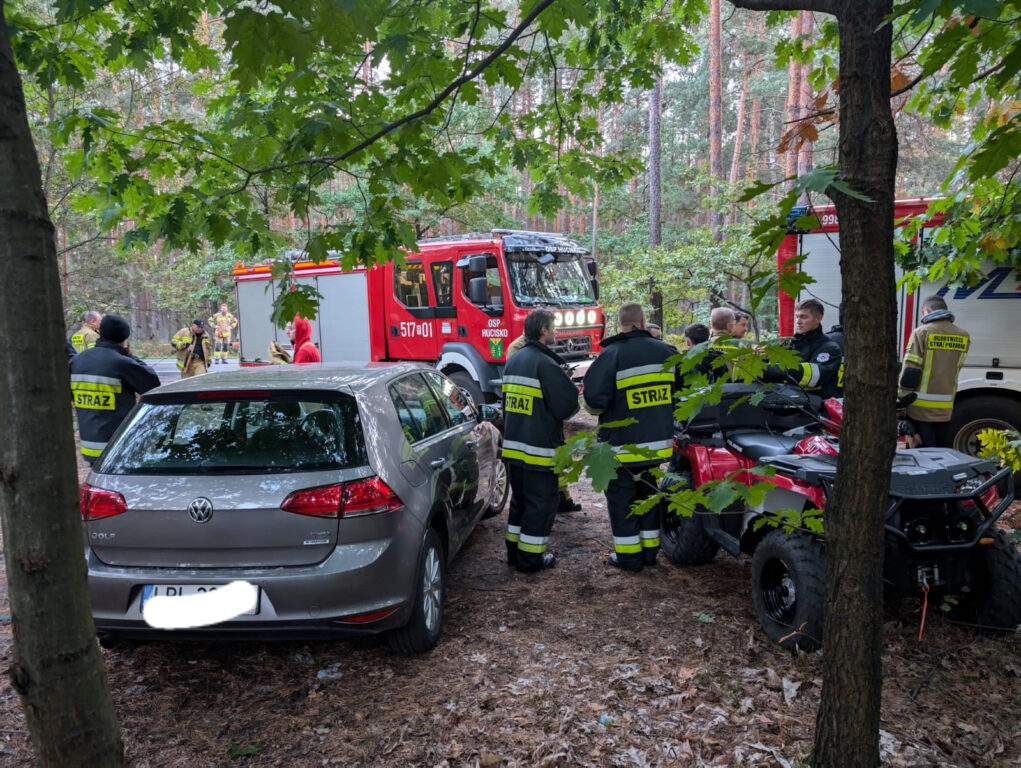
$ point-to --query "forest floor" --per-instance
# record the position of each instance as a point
(582, 665)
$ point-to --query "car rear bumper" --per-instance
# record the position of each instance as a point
(354, 580)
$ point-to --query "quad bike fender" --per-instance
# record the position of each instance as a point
(779, 499)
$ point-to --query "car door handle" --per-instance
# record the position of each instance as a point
(437, 463)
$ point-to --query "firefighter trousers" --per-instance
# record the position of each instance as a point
(535, 494)
(635, 537)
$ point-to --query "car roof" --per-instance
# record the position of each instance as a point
(342, 378)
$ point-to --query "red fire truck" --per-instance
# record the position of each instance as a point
(989, 386)
(458, 303)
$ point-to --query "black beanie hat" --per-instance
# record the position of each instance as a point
(114, 328)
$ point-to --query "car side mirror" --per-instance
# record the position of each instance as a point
(593, 268)
(477, 263)
(477, 290)
(489, 413)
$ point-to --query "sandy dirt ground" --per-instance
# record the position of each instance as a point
(582, 665)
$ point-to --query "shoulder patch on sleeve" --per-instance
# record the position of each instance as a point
(822, 357)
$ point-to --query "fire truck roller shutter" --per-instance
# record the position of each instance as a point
(487, 376)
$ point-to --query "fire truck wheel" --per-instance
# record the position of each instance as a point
(994, 599)
(972, 415)
(684, 540)
(467, 385)
(789, 588)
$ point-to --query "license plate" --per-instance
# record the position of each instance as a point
(182, 590)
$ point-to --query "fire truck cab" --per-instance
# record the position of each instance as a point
(989, 384)
(457, 302)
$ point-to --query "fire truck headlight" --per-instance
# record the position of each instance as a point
(591, 317)
(569, 318)
(558, 319)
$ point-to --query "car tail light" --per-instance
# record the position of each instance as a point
(370, 496)
(323, 501)
(366, 618)
(96, 503)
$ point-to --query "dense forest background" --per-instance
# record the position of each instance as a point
(774, 118)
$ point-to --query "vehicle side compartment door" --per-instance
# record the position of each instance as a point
(410, 315)
(485, 327)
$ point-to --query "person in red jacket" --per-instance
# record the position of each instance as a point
(304, 350)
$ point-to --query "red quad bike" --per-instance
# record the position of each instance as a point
(941, 533)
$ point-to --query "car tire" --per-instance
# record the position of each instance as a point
(421, 633)
(683, 538)
(789, 588)
(971, 415)
(501, 491)
(994, 599)
(469, 387)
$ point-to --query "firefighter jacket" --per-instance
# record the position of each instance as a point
(937, 349)
(537, 397)
(628, 380)
(84, 338)
(222, 325)
(194, 362)
(104, 381)
(819, 370)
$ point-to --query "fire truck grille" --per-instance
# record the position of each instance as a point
(572, 346)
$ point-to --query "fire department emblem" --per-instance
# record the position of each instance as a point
(496, 347)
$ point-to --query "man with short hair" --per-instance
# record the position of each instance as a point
(631, 380)
(820, 357)
(739, 327)
(537, 395)
(695, 334)
(721, 320)
(932, 362)
(87, 336)
(223, 324)
(104, 381)
(192, 348)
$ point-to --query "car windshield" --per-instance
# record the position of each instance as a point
(564, 281)
(238, 436)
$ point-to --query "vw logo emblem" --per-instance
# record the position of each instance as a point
(200, 510)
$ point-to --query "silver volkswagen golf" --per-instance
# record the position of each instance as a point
(340, 494)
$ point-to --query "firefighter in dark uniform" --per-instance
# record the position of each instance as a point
(537, 397)
(104, 381)
(629, 379)
(819, 371)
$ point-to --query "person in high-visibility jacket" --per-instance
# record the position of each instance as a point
(222, 324)
(104, 381)
(819, 369)
(87, 336)
(932, 362)
(537, 396)
(192, 348)
(631, 379)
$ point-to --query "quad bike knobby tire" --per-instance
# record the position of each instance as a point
(994, 598)
(684, 540)
(789, 588)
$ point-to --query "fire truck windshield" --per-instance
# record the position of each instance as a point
(562, 281)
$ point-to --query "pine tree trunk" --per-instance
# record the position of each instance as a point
(735, 162)
(715, 113)
(806, 97)
(57, 669)
(655, 160)
(793, 108)
(847, 724)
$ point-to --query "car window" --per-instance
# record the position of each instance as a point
(443, 283)
(418, 409)
(409, 284)
(246, 436)
(452, 398)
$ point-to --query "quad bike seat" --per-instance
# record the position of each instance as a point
(757, 445)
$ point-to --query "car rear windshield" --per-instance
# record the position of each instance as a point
(247, 436)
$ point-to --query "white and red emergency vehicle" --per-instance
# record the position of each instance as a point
(989, 386)
(457, 302)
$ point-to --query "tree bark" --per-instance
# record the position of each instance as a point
(793, 107)
(57, 669)
(715, 114)
(655, 160)
(847, 724)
